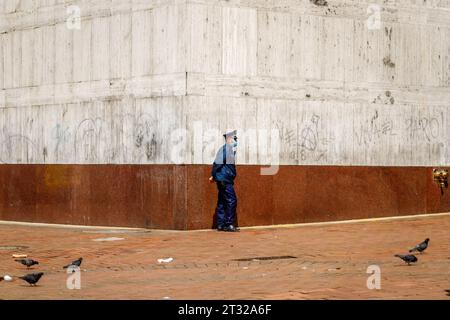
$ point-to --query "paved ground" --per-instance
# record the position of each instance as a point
(331, 262)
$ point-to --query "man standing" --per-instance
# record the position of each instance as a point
(224, 173)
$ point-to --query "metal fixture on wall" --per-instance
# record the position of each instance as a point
(441, 178)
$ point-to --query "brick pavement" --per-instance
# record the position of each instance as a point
(331, 262)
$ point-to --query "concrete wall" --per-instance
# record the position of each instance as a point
(339, 92)
(158, 81)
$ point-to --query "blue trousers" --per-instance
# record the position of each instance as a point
(226, 204)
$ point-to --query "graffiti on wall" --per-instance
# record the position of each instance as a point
(315, 137)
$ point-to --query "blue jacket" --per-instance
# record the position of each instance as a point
(224, 168)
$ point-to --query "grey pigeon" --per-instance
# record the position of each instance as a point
(75, 263)
(32, 278)
(27, 262)
(421, 246)
(408, 258)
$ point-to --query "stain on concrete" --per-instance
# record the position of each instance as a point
(386, 99)
(321, 3)
(388, 62)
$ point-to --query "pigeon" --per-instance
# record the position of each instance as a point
(32, 278)
(75, 263)
(408, 258)
(27, 262)
(421, 246)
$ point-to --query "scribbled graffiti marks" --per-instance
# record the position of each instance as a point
(61, 135)
(87, 139)
(139, 133)
(373, 130)
(17, 148)
(312, 145)
(288, 139)
(309, 145)
(420, 128)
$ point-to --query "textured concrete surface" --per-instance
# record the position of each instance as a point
(114, 90)
(331, 262)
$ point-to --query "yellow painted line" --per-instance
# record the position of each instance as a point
(67, 226)
(328, 223)
(277, 226)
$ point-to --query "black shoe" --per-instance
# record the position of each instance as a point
(231, 228)
(220, 228)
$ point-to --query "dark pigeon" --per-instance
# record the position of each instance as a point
(408, 258)
(75, 263)
(421, 246)
(32, 278)
(27, 262)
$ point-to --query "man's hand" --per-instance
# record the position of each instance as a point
(211, 180)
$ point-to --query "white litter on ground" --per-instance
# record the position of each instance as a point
(167, 260)
(7, 278)
(108, 239)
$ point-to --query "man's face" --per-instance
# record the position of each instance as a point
(231, 139)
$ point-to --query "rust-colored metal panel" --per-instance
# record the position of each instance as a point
(180, 197)
(19, 192)
(290, 192)
(341, 193)
(255, 197)
(157, 191)
(209, 202)
(323, 193)
(81, 195)
(54, 185)
(103, 188)
(406, 188)
(200, 206)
